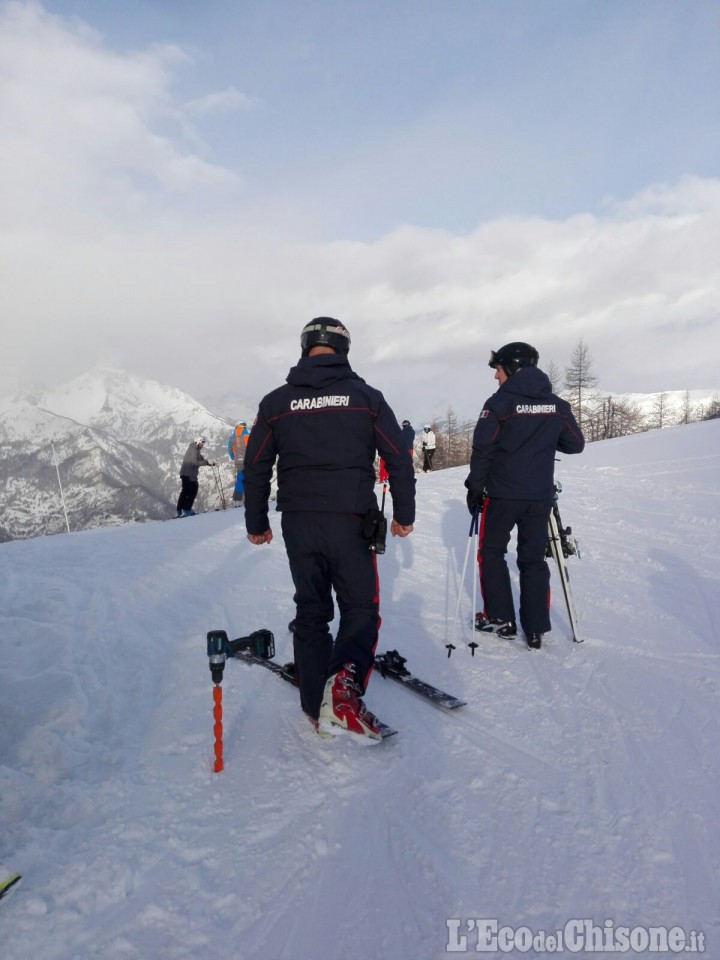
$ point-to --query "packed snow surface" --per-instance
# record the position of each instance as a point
(579, 782)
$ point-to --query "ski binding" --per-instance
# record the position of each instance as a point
(392, 666)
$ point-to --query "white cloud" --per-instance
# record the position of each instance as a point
(87, 131)
(220, 101)
(110, 255)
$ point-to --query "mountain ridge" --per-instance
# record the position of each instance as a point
(117, 441)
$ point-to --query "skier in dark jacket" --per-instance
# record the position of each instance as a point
(325, 427)
(192, 461)
(409, 436)
(511, 480)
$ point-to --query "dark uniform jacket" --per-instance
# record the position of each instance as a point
(520, 428)
(409, 437)
(324, 426)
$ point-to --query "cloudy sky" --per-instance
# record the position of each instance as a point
(184, 184)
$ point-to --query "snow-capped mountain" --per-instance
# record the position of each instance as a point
(118, 442)
(674, 400)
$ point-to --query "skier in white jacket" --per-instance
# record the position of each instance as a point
(428, 447)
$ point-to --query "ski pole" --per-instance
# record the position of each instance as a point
(222, 492)
(473, 528)
(475, 585)
(62, 495)
(473, 644)
(377, 544)
(217, 644)
(218, 484)
(476, 572)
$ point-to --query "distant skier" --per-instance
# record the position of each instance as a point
(192, 461)
(408, 436)
(511, 480)
(237, 444)
(325, 426)
(428, 447)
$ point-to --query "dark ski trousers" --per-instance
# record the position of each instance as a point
(188, 493)
(428, 455)
(327, 552)
(497, 521)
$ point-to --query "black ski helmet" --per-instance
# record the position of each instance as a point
(513, 356)
(324, 332)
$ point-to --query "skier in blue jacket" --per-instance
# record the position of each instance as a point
(325, 426)
(520, 428)
(237, 444)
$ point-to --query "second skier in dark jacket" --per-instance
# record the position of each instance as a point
(409, 436)
(324, 427)
(519, 430)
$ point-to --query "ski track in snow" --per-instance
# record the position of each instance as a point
(579, 781)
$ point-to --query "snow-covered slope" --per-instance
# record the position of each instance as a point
(580, 781)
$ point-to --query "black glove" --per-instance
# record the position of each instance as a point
(475, 502)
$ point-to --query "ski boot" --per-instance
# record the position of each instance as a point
(342, 710)
(496, 625)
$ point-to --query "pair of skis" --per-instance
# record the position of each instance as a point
(259, 649)
(561, 545)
